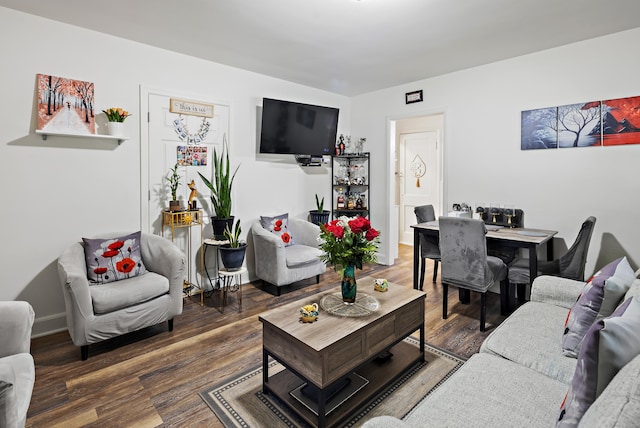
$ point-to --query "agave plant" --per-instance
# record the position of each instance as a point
(222, 181)
(233, 235)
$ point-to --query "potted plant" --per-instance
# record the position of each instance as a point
(232, 254)
(115, 119)
(220, 187)
(319, 215)
(174, 181)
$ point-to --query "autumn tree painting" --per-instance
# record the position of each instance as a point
(65, 105)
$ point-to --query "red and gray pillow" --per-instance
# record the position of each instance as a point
(609, 345)
(598, 299)
(279, 226)
(113, 259)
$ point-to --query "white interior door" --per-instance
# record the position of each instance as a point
(419, 177)
(162, 143)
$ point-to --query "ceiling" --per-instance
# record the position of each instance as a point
(348, 47)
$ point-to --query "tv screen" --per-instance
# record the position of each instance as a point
(298, 129)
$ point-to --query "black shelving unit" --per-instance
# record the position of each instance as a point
(350, 173)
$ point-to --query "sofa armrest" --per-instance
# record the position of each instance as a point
(557, 291)
(72, 271)
(270, 256)
(16, 322)
(163, 257)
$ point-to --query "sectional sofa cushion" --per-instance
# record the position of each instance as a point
(483, 384)
(279, 226)
(532, 337)
(599, 298)
(608, 346)
(113, 259)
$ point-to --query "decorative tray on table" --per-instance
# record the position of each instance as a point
(363, 306)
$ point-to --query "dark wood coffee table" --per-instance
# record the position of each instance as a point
(326, 361)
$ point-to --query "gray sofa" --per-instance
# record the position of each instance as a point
(520, 376)
(17, 371)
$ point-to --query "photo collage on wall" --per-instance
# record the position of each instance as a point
(596, 123)
(195, 152)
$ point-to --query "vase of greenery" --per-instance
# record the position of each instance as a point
(115, 120)
(220, 186)
(319, 215)
(174, 181)
(232, 254)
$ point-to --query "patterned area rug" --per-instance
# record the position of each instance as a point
(239, 402)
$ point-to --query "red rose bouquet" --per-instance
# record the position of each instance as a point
(349, 241)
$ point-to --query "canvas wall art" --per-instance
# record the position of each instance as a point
(539, 129)
(579, 125)
(65, 105)
(621, 121)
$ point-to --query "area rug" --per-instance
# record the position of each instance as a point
(239, 402)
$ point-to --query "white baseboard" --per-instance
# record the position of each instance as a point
(49, 324)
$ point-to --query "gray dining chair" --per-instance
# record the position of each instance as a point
(465, 263)
(429, 245)
(570, 265)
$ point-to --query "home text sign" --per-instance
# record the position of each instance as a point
(190, 108)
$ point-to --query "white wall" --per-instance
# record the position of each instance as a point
(557, 189)
(59, 190)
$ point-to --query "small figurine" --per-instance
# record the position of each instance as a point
(309, 313)
(193, 195)
(380, 284)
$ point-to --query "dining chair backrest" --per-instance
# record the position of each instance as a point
(573, 262)
(429, 247)
(463, 252)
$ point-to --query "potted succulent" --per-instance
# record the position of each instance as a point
(319, 215)
(220, 187)
(232, 254)
(174, 181)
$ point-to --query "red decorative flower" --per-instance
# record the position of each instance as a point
(116, 245)
(100, 270)
(277, 225)
(110, 253)
(371, 234)
(285, 237)
(359, 224)
(125, 265)
(336, 231)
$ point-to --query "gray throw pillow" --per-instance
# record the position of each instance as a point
(598, 299)
(608, 346)
(113, 259)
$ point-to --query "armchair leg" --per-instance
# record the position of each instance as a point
(445, 296)
(435, 270)
(317, 279)
(84, 352)
(422, 267)
(170, 322)
(483, 310)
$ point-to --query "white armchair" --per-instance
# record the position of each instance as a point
(17, 370)
(280, 265)
(99, 312)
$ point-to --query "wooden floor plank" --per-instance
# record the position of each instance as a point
(153, 377)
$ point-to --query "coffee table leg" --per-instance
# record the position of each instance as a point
(322, 405)
(422, 342)
(265, 370)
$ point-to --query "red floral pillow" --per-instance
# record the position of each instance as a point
(113, 259)
(279, 226)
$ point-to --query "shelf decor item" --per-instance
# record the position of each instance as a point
(220, 187)
(349, 243)
(115, 118)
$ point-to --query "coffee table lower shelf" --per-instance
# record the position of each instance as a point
(378, 373)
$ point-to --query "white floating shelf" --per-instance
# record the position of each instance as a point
(46, 134)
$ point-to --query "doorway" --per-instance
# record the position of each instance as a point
(418, 170)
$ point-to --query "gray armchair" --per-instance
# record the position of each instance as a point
(465, 263)
(280, 265)
(101, 311)
(17, 371)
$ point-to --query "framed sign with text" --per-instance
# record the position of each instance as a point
(413, 97)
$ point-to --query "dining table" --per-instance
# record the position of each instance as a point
(516, 237)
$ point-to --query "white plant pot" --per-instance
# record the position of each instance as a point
(115, 129)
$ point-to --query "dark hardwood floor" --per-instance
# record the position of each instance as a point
(152, 377)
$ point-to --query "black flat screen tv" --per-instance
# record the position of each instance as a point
(298, 129)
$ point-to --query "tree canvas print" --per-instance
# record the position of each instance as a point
(539, 129)
(65, 105)
(621, 121)
(579, 125)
